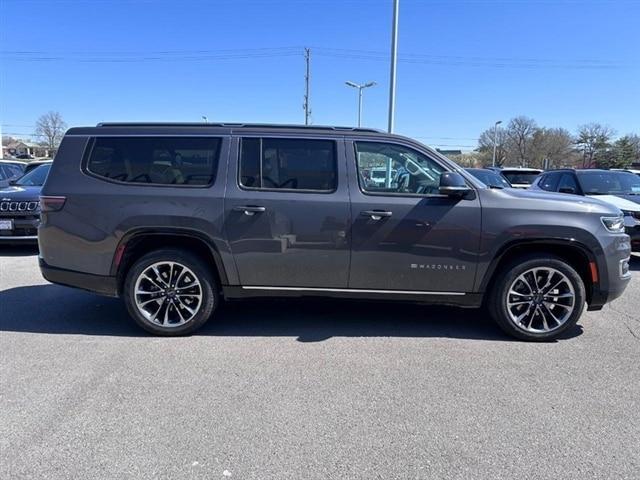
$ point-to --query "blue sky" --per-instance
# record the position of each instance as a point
(463, 63)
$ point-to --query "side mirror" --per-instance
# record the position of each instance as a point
(453, 184)
(567, 190)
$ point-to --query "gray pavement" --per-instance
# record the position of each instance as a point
(314, 389)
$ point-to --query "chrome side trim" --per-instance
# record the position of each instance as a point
(9, 237)
(351, 290)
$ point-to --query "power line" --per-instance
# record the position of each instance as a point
(272, 52)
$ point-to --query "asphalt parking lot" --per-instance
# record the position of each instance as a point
(309, 390)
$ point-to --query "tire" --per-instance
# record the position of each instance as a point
(182, 308)
(524, 313)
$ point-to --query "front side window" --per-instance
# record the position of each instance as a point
(156, 160)
(390, 168)
(549, 182)
(568, 184)
(290, 164)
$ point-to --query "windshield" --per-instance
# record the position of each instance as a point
(490, 179)
(35, 178)
(520, 177)
(609, 183)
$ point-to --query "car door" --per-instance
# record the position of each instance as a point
(405, 235)
(287, 212)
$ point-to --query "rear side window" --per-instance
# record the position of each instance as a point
(156, 160)
(288, 164)
(8, 172)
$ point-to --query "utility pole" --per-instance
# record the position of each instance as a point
(360, 88)
(394, 62)
(307, 80)
(495, 140)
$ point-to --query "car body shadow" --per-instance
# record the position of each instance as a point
(634, 263)
(18, 250)
(54, 309)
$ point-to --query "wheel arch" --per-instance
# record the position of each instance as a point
(138, 242)
(576, 254)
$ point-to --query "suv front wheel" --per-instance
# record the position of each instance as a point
(537, 298)
(169, 292)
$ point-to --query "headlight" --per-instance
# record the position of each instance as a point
(613, 224)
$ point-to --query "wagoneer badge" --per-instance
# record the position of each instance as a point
(437, 266)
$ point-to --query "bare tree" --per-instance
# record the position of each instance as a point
(551, 148)
(50, 127)
(470, 159)
(485, 146)
(520, 133)
(593, 138)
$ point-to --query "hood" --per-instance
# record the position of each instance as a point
(20, 194)
(623, 203)
(632, 198)
(542, 200)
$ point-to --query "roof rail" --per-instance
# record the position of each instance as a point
(236, 125)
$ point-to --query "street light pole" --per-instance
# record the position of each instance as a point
(394, 62)
(495, 141)
(360, 89)
(359, 107)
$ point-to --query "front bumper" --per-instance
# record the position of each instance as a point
(107, 286)
(613, 279)
(25, 228)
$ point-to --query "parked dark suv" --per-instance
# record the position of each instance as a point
(621, 189)
(175, 217)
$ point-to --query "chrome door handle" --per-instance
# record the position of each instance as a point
(376, 214)
(249, 209)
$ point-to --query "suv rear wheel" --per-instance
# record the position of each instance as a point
(169, 292)
(537, 298)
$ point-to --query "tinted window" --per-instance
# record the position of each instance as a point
(520, 178)
(390, 168)
(609, 183)
(489, 178)
(36, 177)
(270, 163)
(549, 182)
(568, 184)
(156, 160)
(8, 171)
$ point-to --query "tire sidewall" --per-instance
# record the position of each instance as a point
(207, 283)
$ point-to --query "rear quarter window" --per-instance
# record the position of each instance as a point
(155, 160)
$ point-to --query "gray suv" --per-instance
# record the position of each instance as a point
(175, 217)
